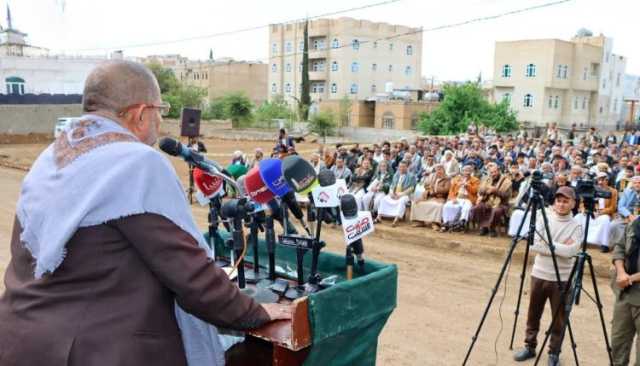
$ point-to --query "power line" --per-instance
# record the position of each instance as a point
(241, 30)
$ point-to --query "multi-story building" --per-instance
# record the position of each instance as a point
(357, 58)
(549, 80)
(631, 106)
(225, 75)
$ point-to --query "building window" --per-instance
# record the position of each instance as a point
(506, 71)
(615, 105)
(388, 120)
(318, 44)
(334, 66)
(355, 44)
(335, 43)
(550, 104)
(559, 72)
(531, 71)
(274, 48)
(575, 103)
(317, 66)
(414, 121)
(506, 97)
(300, 66)
(287, 88)
(288, 67)
(556, 102)
(409, 50)
(355, 67)
(373, 88)
(618, 79)
(15, 85)
(390, 46)
(375, 44)
(334, 88)
(584, 102)
(317, 87)
(528, 100)
(374, 67)
(354, 89)
(565, 71)
(289, 47)
(604, 83)
(584, 73)
(274, 88)
(407, 70)
(274, 68)
(301, 46)
(390, 68)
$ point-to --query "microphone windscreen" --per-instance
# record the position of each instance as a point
(271, 174)
(299, 174)
(256, 188)
(349, 206)
(326, 178)
(237, 170)
(207, 184)
(170, 146)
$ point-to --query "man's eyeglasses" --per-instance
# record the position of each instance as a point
(163, 108)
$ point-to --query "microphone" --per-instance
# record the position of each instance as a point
(349, 208)
(326, 178)
(271, 174)
(299, 174)
(175, 148)
(256, 188)
(208, 184)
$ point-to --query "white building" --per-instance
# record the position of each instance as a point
(25, 69)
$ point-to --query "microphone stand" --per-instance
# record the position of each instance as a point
(314, 277)
(238, 246)
(214, 212)
(254, 226)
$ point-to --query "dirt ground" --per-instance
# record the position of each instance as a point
(445, 281)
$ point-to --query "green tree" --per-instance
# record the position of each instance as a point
(465, 104)
(238, 107)
(323, 123)
(305, 97)
(277, 108)
(215, 110)
(165, 76)
(344, 110)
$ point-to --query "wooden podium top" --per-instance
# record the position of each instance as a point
(294, 334)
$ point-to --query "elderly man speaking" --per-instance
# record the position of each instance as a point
(108, 266)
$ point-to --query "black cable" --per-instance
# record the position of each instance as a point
(504, 295)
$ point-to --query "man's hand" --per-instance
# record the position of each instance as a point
(277, 311)
(623, 280)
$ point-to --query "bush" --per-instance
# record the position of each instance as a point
(276, 109)
(323, 123)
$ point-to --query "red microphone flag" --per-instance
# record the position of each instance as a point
(207, 184)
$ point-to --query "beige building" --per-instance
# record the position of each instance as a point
(550, 80)
(384, 114)
(224, 76)
(357, 58)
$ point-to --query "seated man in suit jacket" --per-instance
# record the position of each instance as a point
(108, 266)
(395, 202)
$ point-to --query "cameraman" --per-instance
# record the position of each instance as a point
(604, 210)
(566, 234)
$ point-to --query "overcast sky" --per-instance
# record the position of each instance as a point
(452, 54)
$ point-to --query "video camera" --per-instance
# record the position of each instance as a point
(587, 190)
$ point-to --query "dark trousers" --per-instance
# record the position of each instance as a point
(542, 290)
(487, 217)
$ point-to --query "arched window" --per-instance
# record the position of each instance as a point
(274, 48)
(407, 70)
(274, 88)
(335, 43)
(334, 88)
(355, 44)
(354, 88)
(289, 47)
(373, 88)
(334, 66)
(531, 71)
(15, 85)
(274, 68)
(506, 97)
(528, 100)
(409, 50)
(287, 88)
(288, 67)
(355, 67)
(390, 46)
(556, 102)
(506, 71)
(390, 68)
(388, 120)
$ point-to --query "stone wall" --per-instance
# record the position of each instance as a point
(34, 119)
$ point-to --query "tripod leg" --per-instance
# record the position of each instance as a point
(599, 306)
(531, 210)
(494, 290)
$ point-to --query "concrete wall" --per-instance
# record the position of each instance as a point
(25, 119)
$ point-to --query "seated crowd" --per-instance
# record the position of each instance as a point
(482, 180)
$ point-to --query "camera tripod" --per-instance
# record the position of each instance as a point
(574, 287)
(536, 202)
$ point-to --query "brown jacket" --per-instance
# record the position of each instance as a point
(436, 188)
(111, 301)
(504, 189)
(472, 188)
